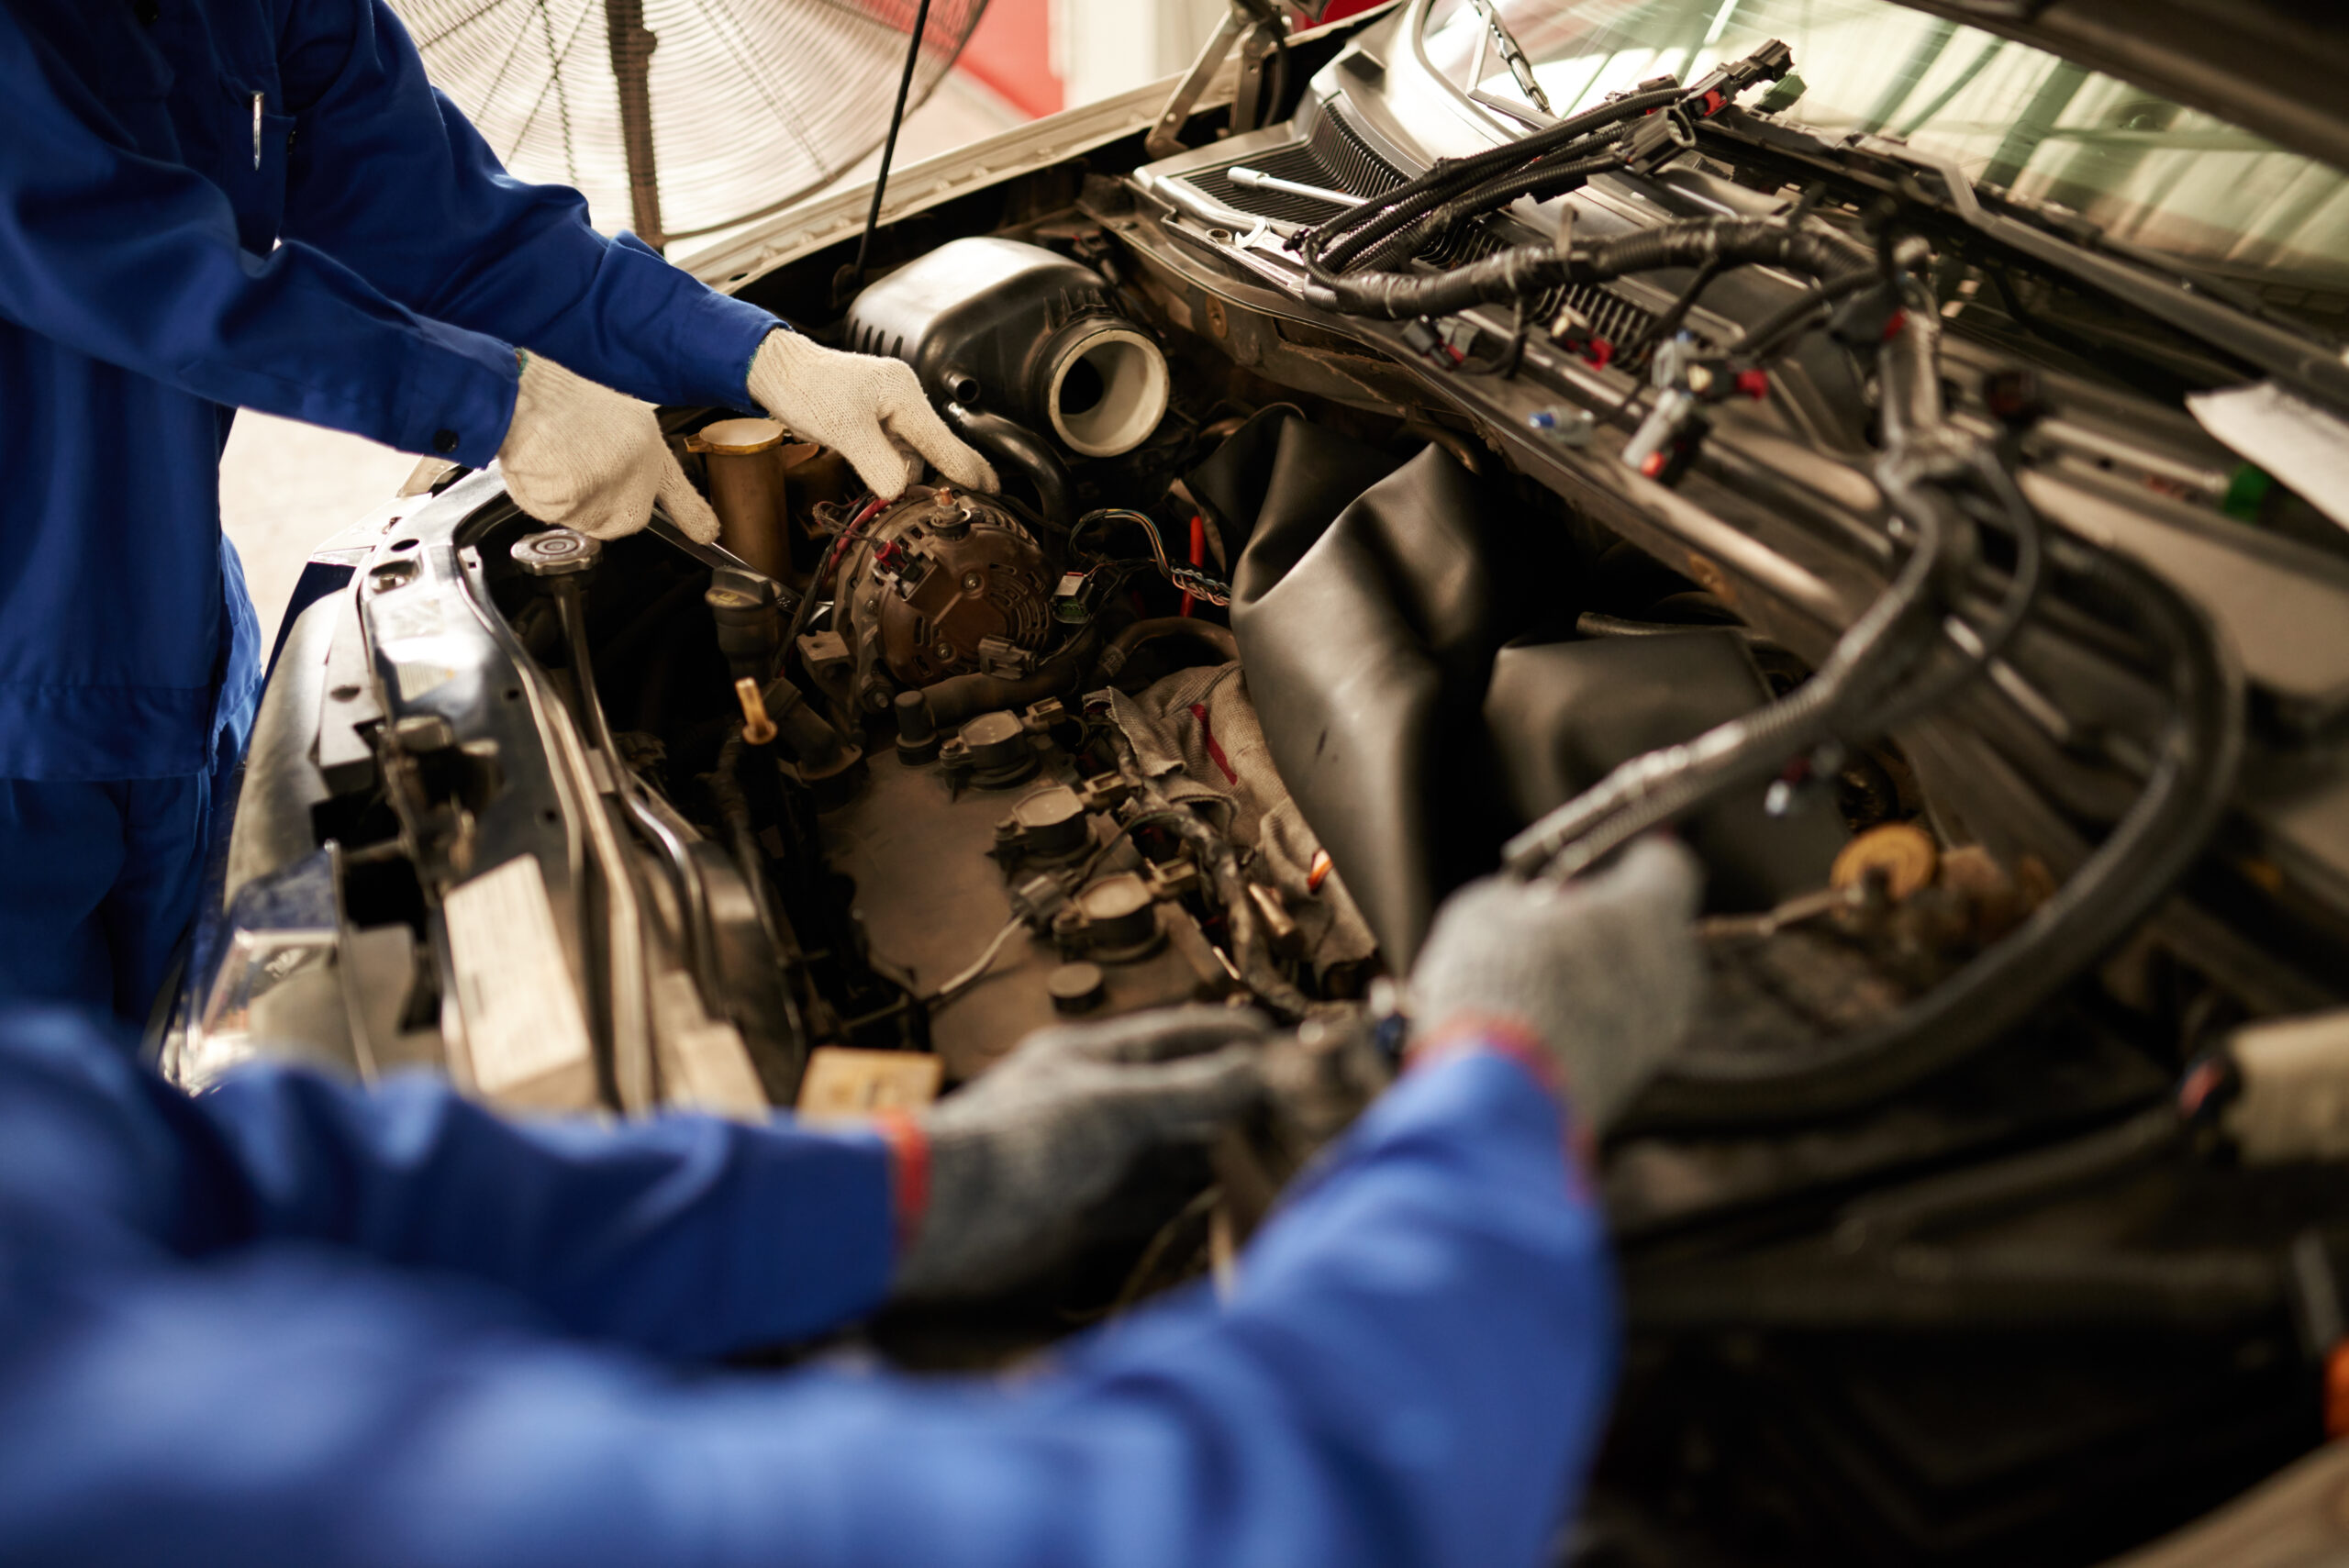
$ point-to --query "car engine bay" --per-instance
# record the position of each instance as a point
(1345, 553)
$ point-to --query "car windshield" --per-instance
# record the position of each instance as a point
(2144, 169)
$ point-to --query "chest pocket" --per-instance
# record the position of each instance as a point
(249, 160)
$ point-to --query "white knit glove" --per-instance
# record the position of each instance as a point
(868, 409)
(583, 456)
(1605, 971)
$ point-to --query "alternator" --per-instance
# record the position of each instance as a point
(945, 584)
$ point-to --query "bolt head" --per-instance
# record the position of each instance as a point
(424, 732)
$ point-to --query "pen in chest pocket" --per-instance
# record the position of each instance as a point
(256, 131)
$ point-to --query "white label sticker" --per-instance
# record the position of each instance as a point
(2303, 445)
(414, 680)
(406, 616)
(522, 1014)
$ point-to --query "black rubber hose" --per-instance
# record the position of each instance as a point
(733, 806)
(2011, 1288)
(1968, 1197)
(1659, 786)
(1551, 180)
(1534, 269)
(2030, 532)
(1843, 695)
(960, 697)
(2120, 884)
(1216, 640)
(811, 738)
(1025, 451)
(1765, 337)
(1411, 229)
(1593, 624)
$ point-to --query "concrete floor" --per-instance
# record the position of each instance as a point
(285, 487)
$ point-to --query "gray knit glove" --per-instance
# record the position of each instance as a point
(1604, 971)
(1017, 1158)
(583, 456)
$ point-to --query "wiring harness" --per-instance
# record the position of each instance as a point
(1189, 579)
(1907, 652)
(1640, 130)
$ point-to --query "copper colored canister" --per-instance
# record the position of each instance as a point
(745, 460)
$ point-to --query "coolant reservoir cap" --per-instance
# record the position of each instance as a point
(557, 552)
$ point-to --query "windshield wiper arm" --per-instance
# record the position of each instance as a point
(2227, 290)
(2071, 227)
(1511, 51)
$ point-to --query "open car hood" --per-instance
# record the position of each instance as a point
(2276, 67)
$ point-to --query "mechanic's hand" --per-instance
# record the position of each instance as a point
(868, 409)
(583, 456)
(1604, 971)
(1017, 1158)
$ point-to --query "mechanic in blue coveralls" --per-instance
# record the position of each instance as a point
(214, 205)
(290, 1323)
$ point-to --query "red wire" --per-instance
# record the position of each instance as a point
(1199, 554)
(832, 558)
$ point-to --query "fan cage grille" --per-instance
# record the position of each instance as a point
(753, 103)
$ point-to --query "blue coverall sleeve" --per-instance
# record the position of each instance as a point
(136, 261)
(1412, 1372)
(684, 1236)
(388, 175)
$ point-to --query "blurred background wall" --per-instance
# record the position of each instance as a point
(285, 487)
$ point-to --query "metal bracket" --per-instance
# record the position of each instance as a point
(1262, 25)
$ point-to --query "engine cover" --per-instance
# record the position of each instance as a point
(948, 584)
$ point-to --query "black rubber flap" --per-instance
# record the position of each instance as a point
(1279, 468)
(1368, 635)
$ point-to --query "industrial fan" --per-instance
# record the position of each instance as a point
(685, 116)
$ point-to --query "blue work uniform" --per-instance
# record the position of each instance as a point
(207, 204)
(290, 1323)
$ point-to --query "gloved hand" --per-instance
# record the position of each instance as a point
(869, 410)
(1017, 1158)
(583, 456)
(1604, 971)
